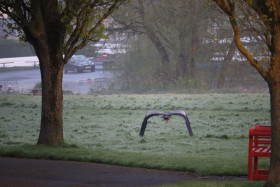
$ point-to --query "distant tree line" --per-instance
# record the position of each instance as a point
(181, 44)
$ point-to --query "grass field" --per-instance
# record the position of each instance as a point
(217, 184)
(105, 128)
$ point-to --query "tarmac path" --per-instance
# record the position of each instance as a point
(16, 172)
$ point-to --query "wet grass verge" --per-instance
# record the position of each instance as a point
(105, 129)
(217, 184)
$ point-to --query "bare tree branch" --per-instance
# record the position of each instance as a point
(229, 8)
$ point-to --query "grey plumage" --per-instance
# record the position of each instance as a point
(166, 116)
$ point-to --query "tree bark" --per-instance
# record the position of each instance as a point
(274, 169)
(47, 43)
(163, 55)
(181, 66)
(187, 51)
(225, 65)
(274, 88)
(52, 97)
(157, 43)
(51, 67)
(194, 40)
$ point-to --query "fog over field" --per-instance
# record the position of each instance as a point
(105, 128)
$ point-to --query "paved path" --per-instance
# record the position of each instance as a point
(40, 173)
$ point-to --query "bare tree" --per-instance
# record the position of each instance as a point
(56, 29)
(265, 23)
(172, 27)
(225, 65)
(139, 20)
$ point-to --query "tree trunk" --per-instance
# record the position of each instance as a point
(194, 40)
(225, 65)
(181, 66)
(165, 74)
(274, 88)
(51, 131)
(163, 55)
(274, 170)
(185, 66)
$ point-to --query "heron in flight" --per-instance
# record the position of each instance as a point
(166, 116)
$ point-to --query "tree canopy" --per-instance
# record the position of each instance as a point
(77, 21)
(56, 29)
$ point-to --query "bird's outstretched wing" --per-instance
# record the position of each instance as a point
(183, 114)
(144, 124)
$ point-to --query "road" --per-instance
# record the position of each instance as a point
(45, 173)
(22, 80)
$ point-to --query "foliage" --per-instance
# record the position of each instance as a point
(105, 129)
(77, 21)
(175, 25)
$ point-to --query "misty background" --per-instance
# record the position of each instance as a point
(158, 46)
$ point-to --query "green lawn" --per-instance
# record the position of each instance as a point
(105, 128)
(217, 184)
